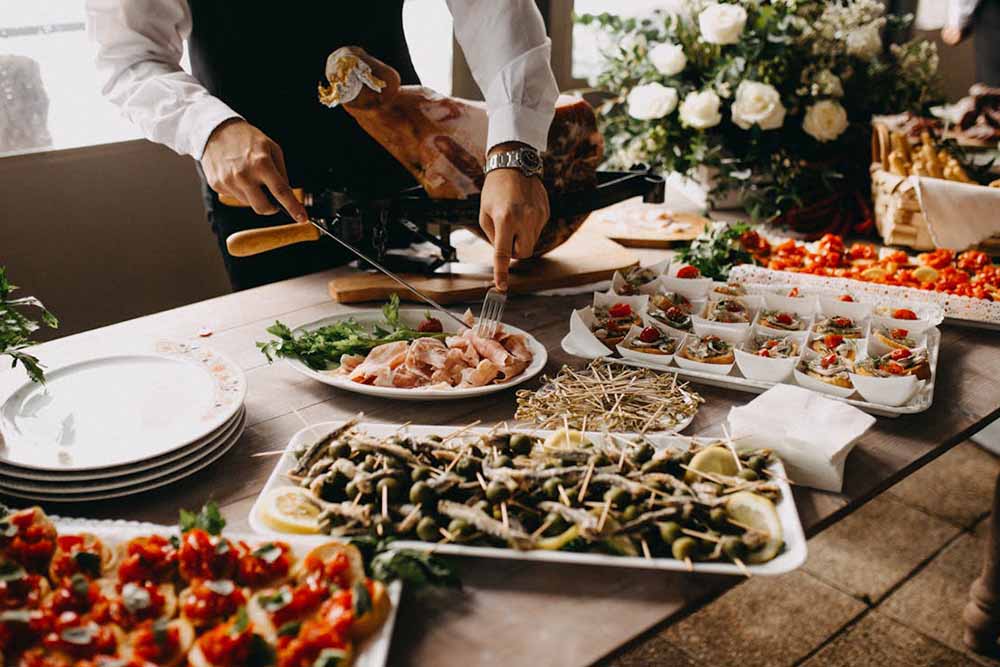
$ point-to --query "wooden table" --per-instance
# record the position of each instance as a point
(509, 613)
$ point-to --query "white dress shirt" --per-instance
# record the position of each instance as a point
(960, 13)
(140, 44)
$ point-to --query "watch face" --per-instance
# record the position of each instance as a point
(531, 159)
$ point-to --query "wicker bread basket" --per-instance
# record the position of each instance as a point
(898, 217)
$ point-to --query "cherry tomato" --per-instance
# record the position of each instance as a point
(901, 353)
(152, 558)
(846, 297)
(687, 272)
(904, 314)
(649, 335)
(204, 556)
(784, 318)
(832, 340)
(899, 333)
(620, 310)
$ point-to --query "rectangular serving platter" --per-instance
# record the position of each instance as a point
(373, 652)
(791, 557)
(920, 401)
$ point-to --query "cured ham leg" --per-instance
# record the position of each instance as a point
(442, 140)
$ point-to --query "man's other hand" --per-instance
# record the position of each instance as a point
(513, 211)
(242, 162)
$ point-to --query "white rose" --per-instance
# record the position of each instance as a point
(651, 100)
(668, 59)
(722, 23)
(829, 83)
(825, 121)
(758, 103)
(700, 110)
(864, 42)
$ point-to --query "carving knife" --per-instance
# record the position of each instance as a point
(321, 226)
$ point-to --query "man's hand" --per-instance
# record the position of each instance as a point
(514, 209)
(240, 160)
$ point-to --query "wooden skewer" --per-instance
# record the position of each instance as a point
(645, 548)
(541, 529)
(448, 537)
(781, 477)
(743, 568)
(698, 534)
(482, 482)
(604, 515)
(564, 497)
(586, 482)
(456, 433)
(273, 452)
(385, 502)
(688, 564)
(732, 448)
(503, 515)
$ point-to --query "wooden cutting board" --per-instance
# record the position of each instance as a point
(584, 259)
(635, 224)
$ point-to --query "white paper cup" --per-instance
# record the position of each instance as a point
(582, 340)
(646, 357)
(731, 333)
(856, 311)
(690, 364)
(802, 305)
(692, 288)
(809, 382)
(894, 391)
(917, 326)
(877, 348)
(650, 321)
(764, 369)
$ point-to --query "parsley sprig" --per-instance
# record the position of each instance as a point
(718, 249)
(322, 348)
(16, 327)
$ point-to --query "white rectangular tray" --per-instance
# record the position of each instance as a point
(373, 652)
(735, 380)
(793, 556)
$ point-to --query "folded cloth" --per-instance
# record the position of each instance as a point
(812, 434)
(958, 215)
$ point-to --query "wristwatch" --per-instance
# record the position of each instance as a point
(526, 158)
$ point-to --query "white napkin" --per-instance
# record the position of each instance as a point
(958, 215)
(813, 435)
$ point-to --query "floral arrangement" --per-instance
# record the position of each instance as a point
(770, 99)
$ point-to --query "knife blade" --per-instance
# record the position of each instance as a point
(321, 226)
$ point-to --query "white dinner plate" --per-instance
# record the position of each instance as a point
(412, 317)
(116, 472)
(122, 409)
(132, 489)
(63, 487)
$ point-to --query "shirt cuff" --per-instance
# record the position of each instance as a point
(518, 123)
(200, 121)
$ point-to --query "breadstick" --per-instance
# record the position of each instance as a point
(901, 145)
(897, 165)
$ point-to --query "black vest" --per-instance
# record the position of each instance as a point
(265, 59)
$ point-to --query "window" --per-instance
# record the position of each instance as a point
(587, 46)
(50, 97)
(50, 94)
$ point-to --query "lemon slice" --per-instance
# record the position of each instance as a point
(290, 509)
(925, 274)
(874, 273)
(564, 438)
(760, 514)
(716, 460)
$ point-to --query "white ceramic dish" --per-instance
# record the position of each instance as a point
(134, 488)
(373, 652)
(119, 410)
(791, 557)
(117, 472)
(893, 391)
(413, 316)
(755, 367)
(60, 487)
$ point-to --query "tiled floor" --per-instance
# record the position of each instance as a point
(884, 587)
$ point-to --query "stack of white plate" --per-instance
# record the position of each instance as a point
(120, 425)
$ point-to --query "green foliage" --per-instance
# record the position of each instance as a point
(16, 328)
(717, 250)
(208, 519)
(416, 568)
(322, 348)
(791, 45)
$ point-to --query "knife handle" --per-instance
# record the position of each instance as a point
(255, 241)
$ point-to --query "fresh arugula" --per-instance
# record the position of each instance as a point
(416, 568)
(16, 327)
(321, 349)
(208, 519)
(718, 249)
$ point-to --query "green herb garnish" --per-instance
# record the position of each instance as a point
(16, 328)
(416, 568)
(208, 519)
(718, 249)
(322, 348)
